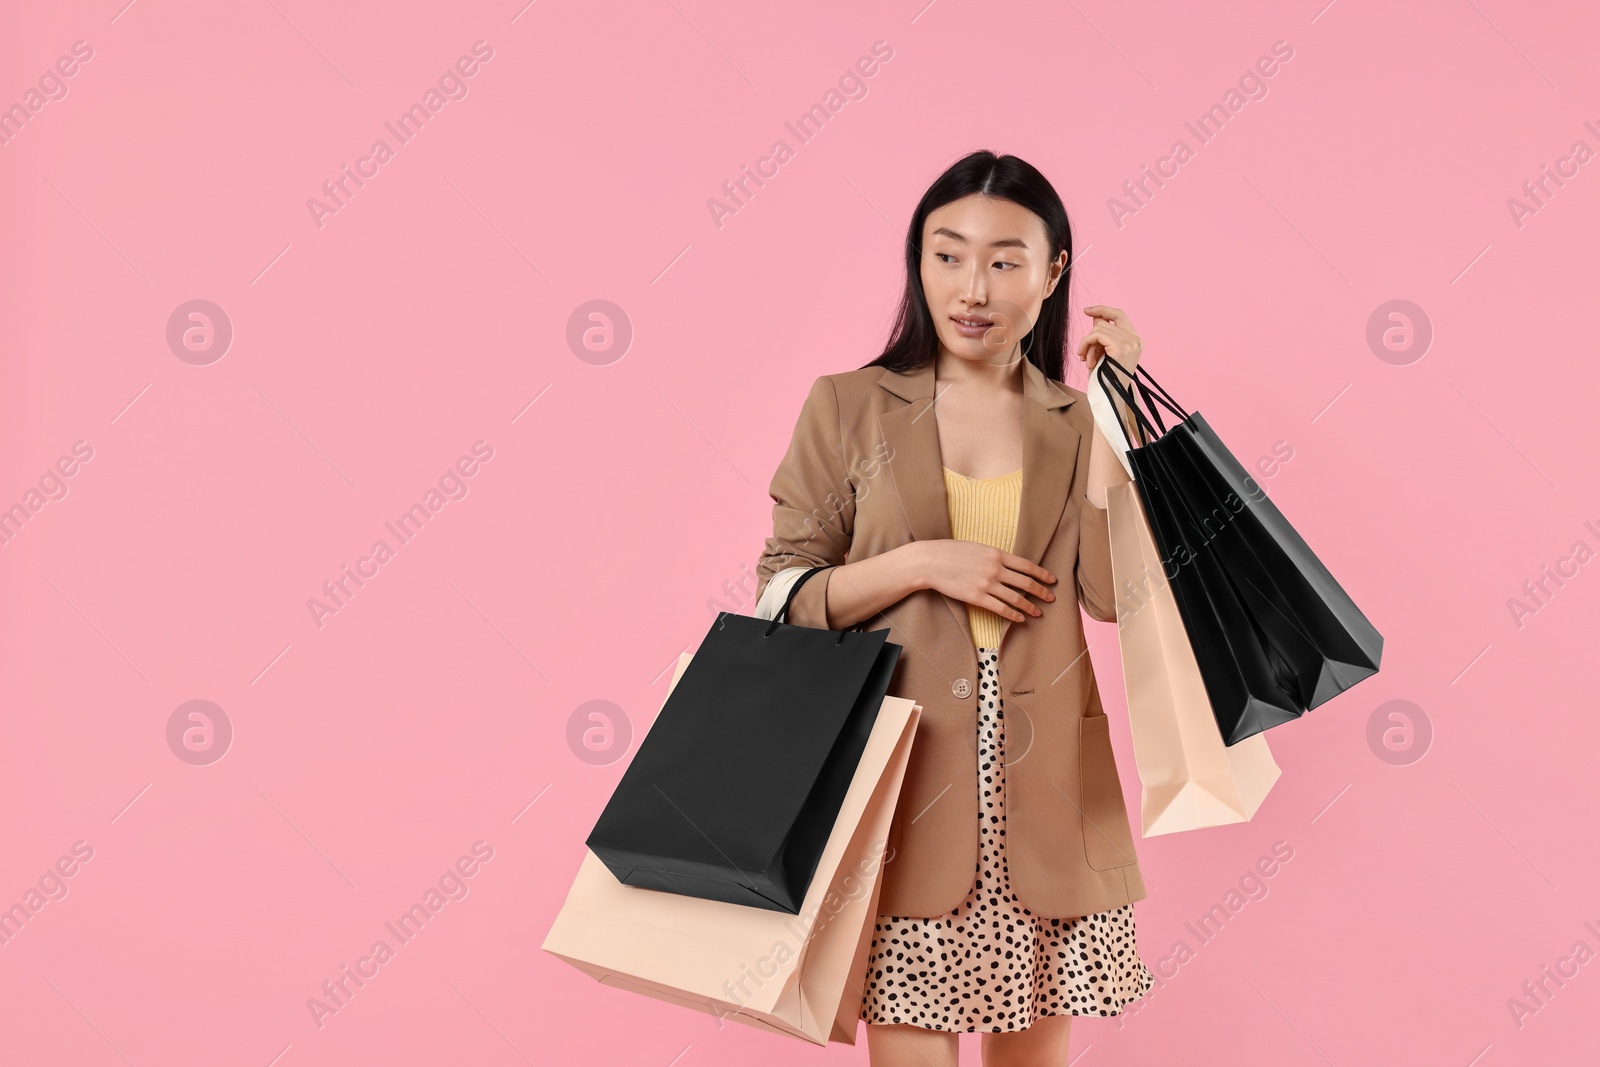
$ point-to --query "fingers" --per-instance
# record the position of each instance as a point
(1123, 346)
(1026, 567)
(1011, 606)
(1005, 583)
(1094, 342)
(1024, 584)
(1113, 331)
(1112, 336)
(1105, 311)
(1014, 584)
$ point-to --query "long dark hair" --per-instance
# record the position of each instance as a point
(913, 341)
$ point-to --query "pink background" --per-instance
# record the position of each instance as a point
(626, 493)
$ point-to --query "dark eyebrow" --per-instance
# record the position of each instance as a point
(1004, 242)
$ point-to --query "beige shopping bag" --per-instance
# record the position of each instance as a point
(1190, 778)
(798, 975)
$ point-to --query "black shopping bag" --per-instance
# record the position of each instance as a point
(736, 787)
(1324, 639)
(1294, 657)
(1242, 675)
(1242, 555)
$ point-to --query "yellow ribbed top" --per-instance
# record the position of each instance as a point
(984, 510)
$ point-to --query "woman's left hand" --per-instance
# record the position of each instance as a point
(1112, 333)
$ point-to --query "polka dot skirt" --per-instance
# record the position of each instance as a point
(991, 965)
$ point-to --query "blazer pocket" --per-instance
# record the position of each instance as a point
(1107, 837)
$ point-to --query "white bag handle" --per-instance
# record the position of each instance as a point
(777, 592)
(1105, 417)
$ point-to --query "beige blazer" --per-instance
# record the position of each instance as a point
(862, 476)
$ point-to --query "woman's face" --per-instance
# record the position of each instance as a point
(986, 270)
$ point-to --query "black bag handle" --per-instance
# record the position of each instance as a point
(783, 612)
(1149, 403)
(1109, 382)
(1152, 400)
(1165, 397)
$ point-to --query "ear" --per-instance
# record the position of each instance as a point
(1057, 268)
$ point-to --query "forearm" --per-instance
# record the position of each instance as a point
(1105, 469)
(857, 591)
(1093, 573)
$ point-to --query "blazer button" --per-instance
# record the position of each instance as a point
(961, 688)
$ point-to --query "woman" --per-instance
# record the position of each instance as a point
(956, 467)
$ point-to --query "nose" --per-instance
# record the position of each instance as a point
(974, 288)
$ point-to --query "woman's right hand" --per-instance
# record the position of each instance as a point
(983, 576)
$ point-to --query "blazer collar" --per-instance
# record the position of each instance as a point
(1049, 459)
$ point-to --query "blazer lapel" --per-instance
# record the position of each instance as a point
(1049, 457)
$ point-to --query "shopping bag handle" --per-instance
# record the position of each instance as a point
(1146, 431)
(1164, 397)
(1152, 400)
(783, 612)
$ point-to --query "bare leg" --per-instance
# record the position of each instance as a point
(1044, 1044)
(910, 1046)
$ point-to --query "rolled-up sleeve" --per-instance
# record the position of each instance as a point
(813, 507)
(1096, 588)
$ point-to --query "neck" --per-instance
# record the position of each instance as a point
(1000, 373)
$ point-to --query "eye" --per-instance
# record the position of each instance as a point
(942, 256)
(1002, 263)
